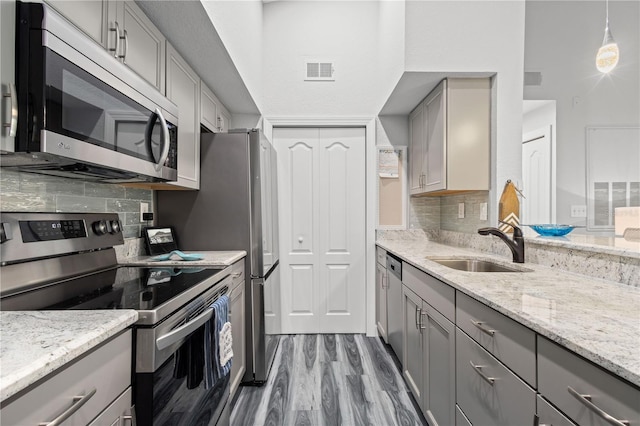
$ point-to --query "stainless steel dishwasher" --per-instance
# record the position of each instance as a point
(394, 304)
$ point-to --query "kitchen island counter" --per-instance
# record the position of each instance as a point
(595, 318)
(36, 343)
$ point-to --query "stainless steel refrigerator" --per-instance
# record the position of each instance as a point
(236, 208)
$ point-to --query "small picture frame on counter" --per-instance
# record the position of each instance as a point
(159, 239)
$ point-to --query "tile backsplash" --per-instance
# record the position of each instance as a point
(432, 214)
(41, 193)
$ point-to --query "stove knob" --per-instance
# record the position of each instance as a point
(100, 227)
(115, 227)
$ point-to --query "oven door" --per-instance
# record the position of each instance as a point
(168, 390)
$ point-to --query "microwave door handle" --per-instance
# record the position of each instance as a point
(183, 331)
(165, 140)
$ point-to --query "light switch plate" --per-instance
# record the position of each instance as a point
(460, 210)
(483, 211)
(144, 208)
(579, 211)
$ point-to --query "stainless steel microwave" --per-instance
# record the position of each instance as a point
(81, 112)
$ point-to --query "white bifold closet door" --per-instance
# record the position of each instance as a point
(321, 185)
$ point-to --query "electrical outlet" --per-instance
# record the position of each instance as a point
(483, 211)
(144, 208)
(460, 210)
(579, 211)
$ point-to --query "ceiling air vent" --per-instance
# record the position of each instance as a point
(319, 71)
(532, 78)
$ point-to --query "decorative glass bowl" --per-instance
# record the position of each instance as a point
(552, 230)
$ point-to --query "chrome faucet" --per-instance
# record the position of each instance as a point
(516, 245)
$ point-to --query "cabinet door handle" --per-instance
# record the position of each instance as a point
(78, 402)
(586, 401)
(422, 315)
(482, 328)
(417, 316)
(478, 369)
(124, 37)
(116, 29)
(13, 124)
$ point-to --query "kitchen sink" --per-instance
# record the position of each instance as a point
(476, 265)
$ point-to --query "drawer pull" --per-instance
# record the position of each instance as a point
(478, 369)
(131, 417)
(482, 328)
(586, 401)
(78, 402)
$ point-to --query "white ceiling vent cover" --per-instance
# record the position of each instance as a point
(316, 71)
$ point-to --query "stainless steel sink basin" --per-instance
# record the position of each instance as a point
(475, 265)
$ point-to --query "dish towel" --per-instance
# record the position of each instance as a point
(217, 343)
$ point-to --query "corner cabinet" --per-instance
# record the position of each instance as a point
(183, 89)
(450, 138)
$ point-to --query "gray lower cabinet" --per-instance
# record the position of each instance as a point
(429, 358)
(512, 343)
(381, 300)
(238, 325)
(488, 392)
(548, 415)
(84, 388)
(583, 391)
(461, 419)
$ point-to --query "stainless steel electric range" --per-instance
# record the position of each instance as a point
(52, 261)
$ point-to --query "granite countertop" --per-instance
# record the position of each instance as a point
(616, 246)
(595, 318)
(211, 258)
(36, 343)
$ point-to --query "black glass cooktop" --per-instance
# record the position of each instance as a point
(138, 288)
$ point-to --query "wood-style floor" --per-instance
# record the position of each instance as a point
(329, 379)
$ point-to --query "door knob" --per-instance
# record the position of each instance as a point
(300, 239)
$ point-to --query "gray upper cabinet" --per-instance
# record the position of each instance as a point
(450, 138)
(183, 89)
(9, 105)
(124, 30)
(142, 45)
(89, 16)
(213, 115)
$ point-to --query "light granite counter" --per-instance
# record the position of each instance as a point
(595, 318)
(36, 343)
(211, 258)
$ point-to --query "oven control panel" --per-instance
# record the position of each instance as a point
(28, 235)
(47, 230)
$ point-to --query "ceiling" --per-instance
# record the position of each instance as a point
(187, 26)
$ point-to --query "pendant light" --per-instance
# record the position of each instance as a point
(608, 54)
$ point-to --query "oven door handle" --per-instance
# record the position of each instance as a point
(183, 331)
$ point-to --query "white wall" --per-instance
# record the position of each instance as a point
(239, 24)
(343, 32)
(477, 36)
(565, 55)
